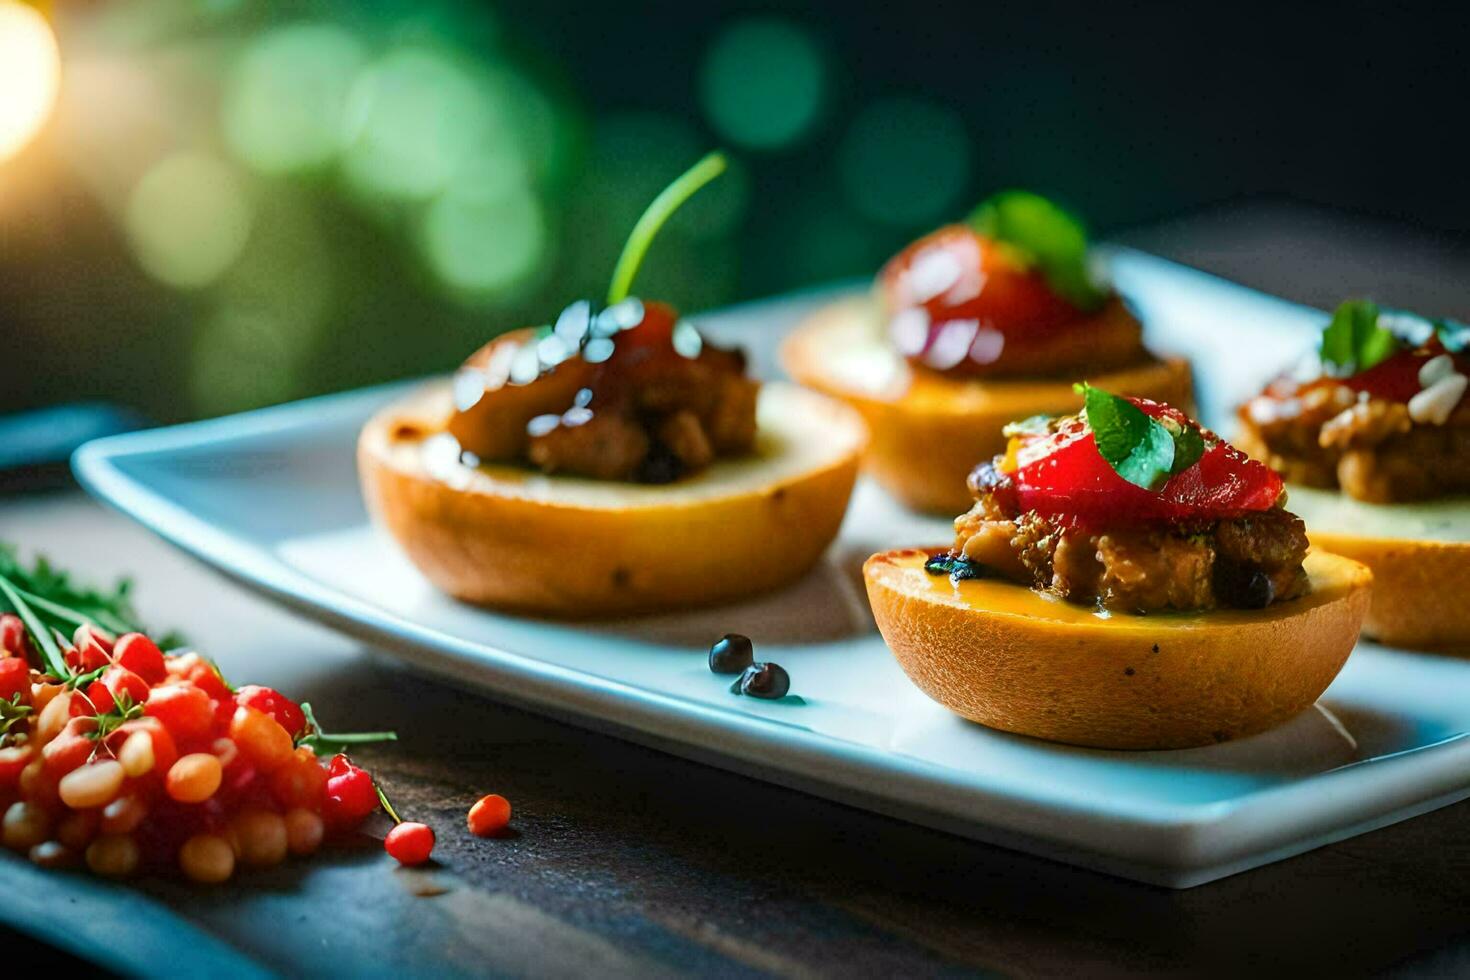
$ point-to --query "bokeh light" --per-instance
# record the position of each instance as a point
(188, 219)
(415, 118)
(763, 83)
(286, 103)
(269, 314)
(30, 75)
(482, 240)
(905, 162)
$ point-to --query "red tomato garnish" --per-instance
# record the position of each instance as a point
(15, 677)
(1063, 476)
(267, 701)
(1396, 378)
(410, 843)
(184, 709)
(140, 655)
(964, 283)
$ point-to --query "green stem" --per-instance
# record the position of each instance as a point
(667, 202)
(387, 807)
(63, 614)
(54, 610)
(50, 652)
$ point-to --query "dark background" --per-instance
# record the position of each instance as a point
(1128, 113)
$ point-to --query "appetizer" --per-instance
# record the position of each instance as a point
(612, 462)
(124, 758)
(973, 326)
(1373, 434)
(1125, 579)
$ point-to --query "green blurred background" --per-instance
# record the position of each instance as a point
(234, 203)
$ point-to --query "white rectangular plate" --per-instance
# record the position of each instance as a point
(271, 499)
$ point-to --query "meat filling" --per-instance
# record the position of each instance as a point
(1248, 562)
(648, 412)
(1327, 435)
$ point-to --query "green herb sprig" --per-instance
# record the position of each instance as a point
(1141, 449)
(54, 593)
(123, 710)
(1355, 340)
(12, 712)
(1046, 235)
(51, 655)
(326, 743)
(669, 200)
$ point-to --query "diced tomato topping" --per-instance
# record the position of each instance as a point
(15, 677)
(15, 640)
(85, 658)
(115, 683)
(1063, 476)
(185, 710)
(140, 655)
(70, 749)
(202, 673)
(267, 701)
(13, 759)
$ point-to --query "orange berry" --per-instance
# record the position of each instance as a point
(24, 826)
(207, 858)
(304, 831)
(114, 856)
(124, 814)
(194, 778)
(263, 838)
(261, 738)
(93, 785)
(489, 815)
(301, 781)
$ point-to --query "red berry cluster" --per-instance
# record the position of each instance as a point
(144, 760)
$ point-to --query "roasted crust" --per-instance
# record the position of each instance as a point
(1417, 589)
(1326, 435)
(996, 654)
(518, 540)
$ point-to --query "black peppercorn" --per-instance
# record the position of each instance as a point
(731, 654)
(769, 681)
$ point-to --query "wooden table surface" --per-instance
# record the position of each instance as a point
(626, 861)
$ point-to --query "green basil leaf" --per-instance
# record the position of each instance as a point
(1141, 449)
(1047, 236)
(1189, 446)
(1354, 341)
